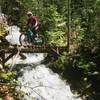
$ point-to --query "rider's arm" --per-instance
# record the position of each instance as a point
(36, 23)
(28, 22)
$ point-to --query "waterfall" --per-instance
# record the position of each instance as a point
(35, 80)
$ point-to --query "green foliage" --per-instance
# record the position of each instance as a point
(57, 38)
(61, 61)
(83, 64)
(56, 33)
(7, 76)
(2, 29)
(7, 83)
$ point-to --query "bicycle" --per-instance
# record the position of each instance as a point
(37, 39)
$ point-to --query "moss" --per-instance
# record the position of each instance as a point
(2, 29)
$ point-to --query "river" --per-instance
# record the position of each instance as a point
(35, 80)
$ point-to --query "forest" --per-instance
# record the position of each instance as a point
(71, 23)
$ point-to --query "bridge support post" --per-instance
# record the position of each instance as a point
(3, 58)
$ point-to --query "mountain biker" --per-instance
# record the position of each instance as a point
(33, 25)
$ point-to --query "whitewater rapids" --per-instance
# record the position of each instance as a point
(36, 80)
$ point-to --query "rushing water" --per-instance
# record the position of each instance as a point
(36, 80)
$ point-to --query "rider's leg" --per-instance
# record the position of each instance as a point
(30, 33)
(34, 31)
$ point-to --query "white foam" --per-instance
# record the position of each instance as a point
(48, 85)
(14, 34)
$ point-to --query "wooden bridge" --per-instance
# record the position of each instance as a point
(35, 49)
(14, 49)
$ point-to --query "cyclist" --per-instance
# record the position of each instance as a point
(33, 25)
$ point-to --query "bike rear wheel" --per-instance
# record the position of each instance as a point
(23, 39)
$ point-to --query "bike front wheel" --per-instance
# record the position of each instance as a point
(39, 40)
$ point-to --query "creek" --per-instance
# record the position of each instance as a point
(35, 80)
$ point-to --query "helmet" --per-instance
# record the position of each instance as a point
(29, 13)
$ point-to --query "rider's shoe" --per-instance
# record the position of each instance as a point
(36, 38)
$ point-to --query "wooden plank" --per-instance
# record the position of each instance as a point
(36, 49)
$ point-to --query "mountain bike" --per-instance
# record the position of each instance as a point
(36, 39)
